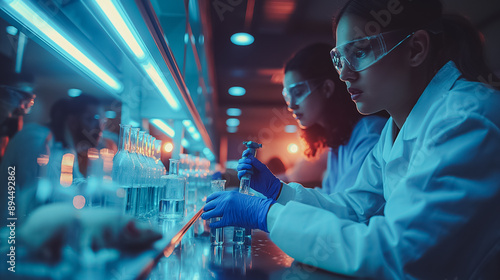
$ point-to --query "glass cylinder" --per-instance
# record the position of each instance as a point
(217, 234)
(137, 172)
(173, 196)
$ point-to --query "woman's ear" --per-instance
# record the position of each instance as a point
(419, 47)
(329, 88)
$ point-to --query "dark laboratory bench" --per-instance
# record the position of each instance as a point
(196, 258)
(183, 254)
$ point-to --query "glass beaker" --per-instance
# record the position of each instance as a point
(217, 234)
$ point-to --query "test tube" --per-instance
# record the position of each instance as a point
(242, 235)
(217, 234)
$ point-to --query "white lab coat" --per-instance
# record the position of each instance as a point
(344, 163)
(423, 207)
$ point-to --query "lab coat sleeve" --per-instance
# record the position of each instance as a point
(357, 203)
(440, 222)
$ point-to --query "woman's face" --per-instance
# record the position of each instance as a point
(383, 85)
(310, 110)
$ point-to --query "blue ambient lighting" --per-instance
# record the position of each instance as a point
(242, 39)
(237, 91)
(232, 122)
(74, 92)
(233, 112)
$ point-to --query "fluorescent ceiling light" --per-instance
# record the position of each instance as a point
(233, 122)
(115, 14)
(188, 124)
(41, 25)
(160, 83)
(210, 156)
(237, 91)
(161, 125)
(233, 112)
(242, 39)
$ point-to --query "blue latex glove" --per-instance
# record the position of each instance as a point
(237, 209)
(263, 180)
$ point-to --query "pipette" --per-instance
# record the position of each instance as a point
(240, 234)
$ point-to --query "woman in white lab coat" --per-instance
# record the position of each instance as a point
(327, 118)
(426, 201)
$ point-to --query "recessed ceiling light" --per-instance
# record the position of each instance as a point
(233, 122)
(74, 92)
(242, 39)
(11, 30)
(232, 129)
(233, 112)
(237, 91)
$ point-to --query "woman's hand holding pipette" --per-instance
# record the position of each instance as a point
(263, 180)
(237, 209)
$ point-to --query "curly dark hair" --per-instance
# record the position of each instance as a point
(312, 62)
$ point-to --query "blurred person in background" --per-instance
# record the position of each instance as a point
(75, 126)
(46, 225)
(14, 104)
(327, 117)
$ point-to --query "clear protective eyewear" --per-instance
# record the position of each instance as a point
(300, 91)
(362, 53)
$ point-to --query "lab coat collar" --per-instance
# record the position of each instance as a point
(442, 82)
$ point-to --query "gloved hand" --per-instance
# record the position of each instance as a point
(237, 209)
(263, 180)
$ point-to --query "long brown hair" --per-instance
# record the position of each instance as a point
(314, 62)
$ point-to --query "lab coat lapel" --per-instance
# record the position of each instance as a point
(437, 89)
(397, 155)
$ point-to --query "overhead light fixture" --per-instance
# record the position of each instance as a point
(242, 39)
(41, 25)
(233, 112)
(110, 114)
(11, 30)
(191, 129)
(290, 128)
(161, 84)
(122, 25)
(74, 92)
(184, 143)
(165, 128)
(232, 122)
(208, 154)
(237, 91)
(232, 129)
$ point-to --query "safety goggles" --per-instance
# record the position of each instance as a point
(362, 53)
(300, 91)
